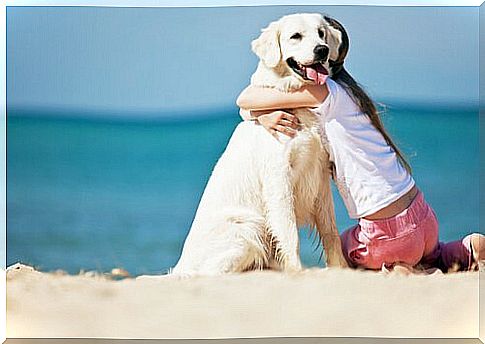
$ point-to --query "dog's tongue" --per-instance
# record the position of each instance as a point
(317, 73)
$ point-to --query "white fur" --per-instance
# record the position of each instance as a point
(261, 190)
(274, 46)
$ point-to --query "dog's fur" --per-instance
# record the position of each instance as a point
(261, 190)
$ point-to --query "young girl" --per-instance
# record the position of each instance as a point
(395, 224)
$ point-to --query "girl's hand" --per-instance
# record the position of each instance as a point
(279, 122)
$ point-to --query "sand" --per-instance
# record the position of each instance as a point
(312, 303)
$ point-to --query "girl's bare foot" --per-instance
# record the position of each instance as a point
(477, 243)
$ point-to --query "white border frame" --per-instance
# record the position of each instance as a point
(230, 3)
(3, 170)
(147, 3)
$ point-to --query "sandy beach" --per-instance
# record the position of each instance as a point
(312, 303)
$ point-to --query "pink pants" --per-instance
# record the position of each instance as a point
(410, 237)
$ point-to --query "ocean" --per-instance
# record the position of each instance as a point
(87, 193)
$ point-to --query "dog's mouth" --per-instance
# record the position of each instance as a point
(315, 72)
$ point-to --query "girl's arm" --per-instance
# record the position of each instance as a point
(246, 114)
(273, 121)
(263, 98)
(260, 103)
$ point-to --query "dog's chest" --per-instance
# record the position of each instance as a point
(306, 146)
(307, 158)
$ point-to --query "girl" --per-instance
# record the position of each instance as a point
(395, 224)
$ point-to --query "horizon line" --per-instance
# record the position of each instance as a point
(170, 114)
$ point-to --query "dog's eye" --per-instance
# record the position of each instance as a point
(321, 33)
(296, 36)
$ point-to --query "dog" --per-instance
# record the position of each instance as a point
(261, 189)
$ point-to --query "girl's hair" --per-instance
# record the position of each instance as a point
(357, 93)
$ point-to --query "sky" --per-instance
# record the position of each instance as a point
(165, 59)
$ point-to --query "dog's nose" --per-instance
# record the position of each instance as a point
(321, 52)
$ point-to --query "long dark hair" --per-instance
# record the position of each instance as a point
(357, 93)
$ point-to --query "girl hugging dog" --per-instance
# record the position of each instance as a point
(396, 226)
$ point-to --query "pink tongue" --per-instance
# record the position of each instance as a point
(316, 73)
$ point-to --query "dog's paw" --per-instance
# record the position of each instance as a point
(335, 258)
(342, 263)
(289, 84)
(291, 264)
(338, 262)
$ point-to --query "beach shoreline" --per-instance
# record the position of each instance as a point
(312, 303)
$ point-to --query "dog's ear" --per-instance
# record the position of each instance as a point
(267, 46)
(334, 40)
(339, 44)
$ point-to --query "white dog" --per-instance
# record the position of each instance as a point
(262, 190)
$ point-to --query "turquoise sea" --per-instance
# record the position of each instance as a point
(95, 193)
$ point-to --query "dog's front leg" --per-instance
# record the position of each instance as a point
(281, 220)
(326, 227)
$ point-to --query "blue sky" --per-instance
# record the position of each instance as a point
(163, 59)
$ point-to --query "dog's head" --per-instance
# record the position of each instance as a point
(306, 45)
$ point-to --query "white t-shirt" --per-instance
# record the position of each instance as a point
(369, 175)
